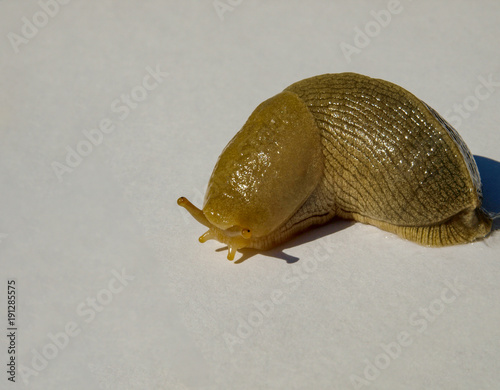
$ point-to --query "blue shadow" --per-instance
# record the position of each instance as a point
(490, 177)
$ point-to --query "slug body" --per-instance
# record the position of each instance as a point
(343, 145)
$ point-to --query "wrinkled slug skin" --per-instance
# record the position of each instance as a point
(350, 146)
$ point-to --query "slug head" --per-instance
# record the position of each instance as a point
(235, 237)
(263, 176)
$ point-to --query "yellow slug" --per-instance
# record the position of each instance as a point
(343, 145)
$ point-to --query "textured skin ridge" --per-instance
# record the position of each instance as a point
(393, 159)
(390, 161)
(469, 159)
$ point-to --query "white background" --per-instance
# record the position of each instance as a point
(184, 317)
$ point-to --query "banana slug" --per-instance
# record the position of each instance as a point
(343, 145)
